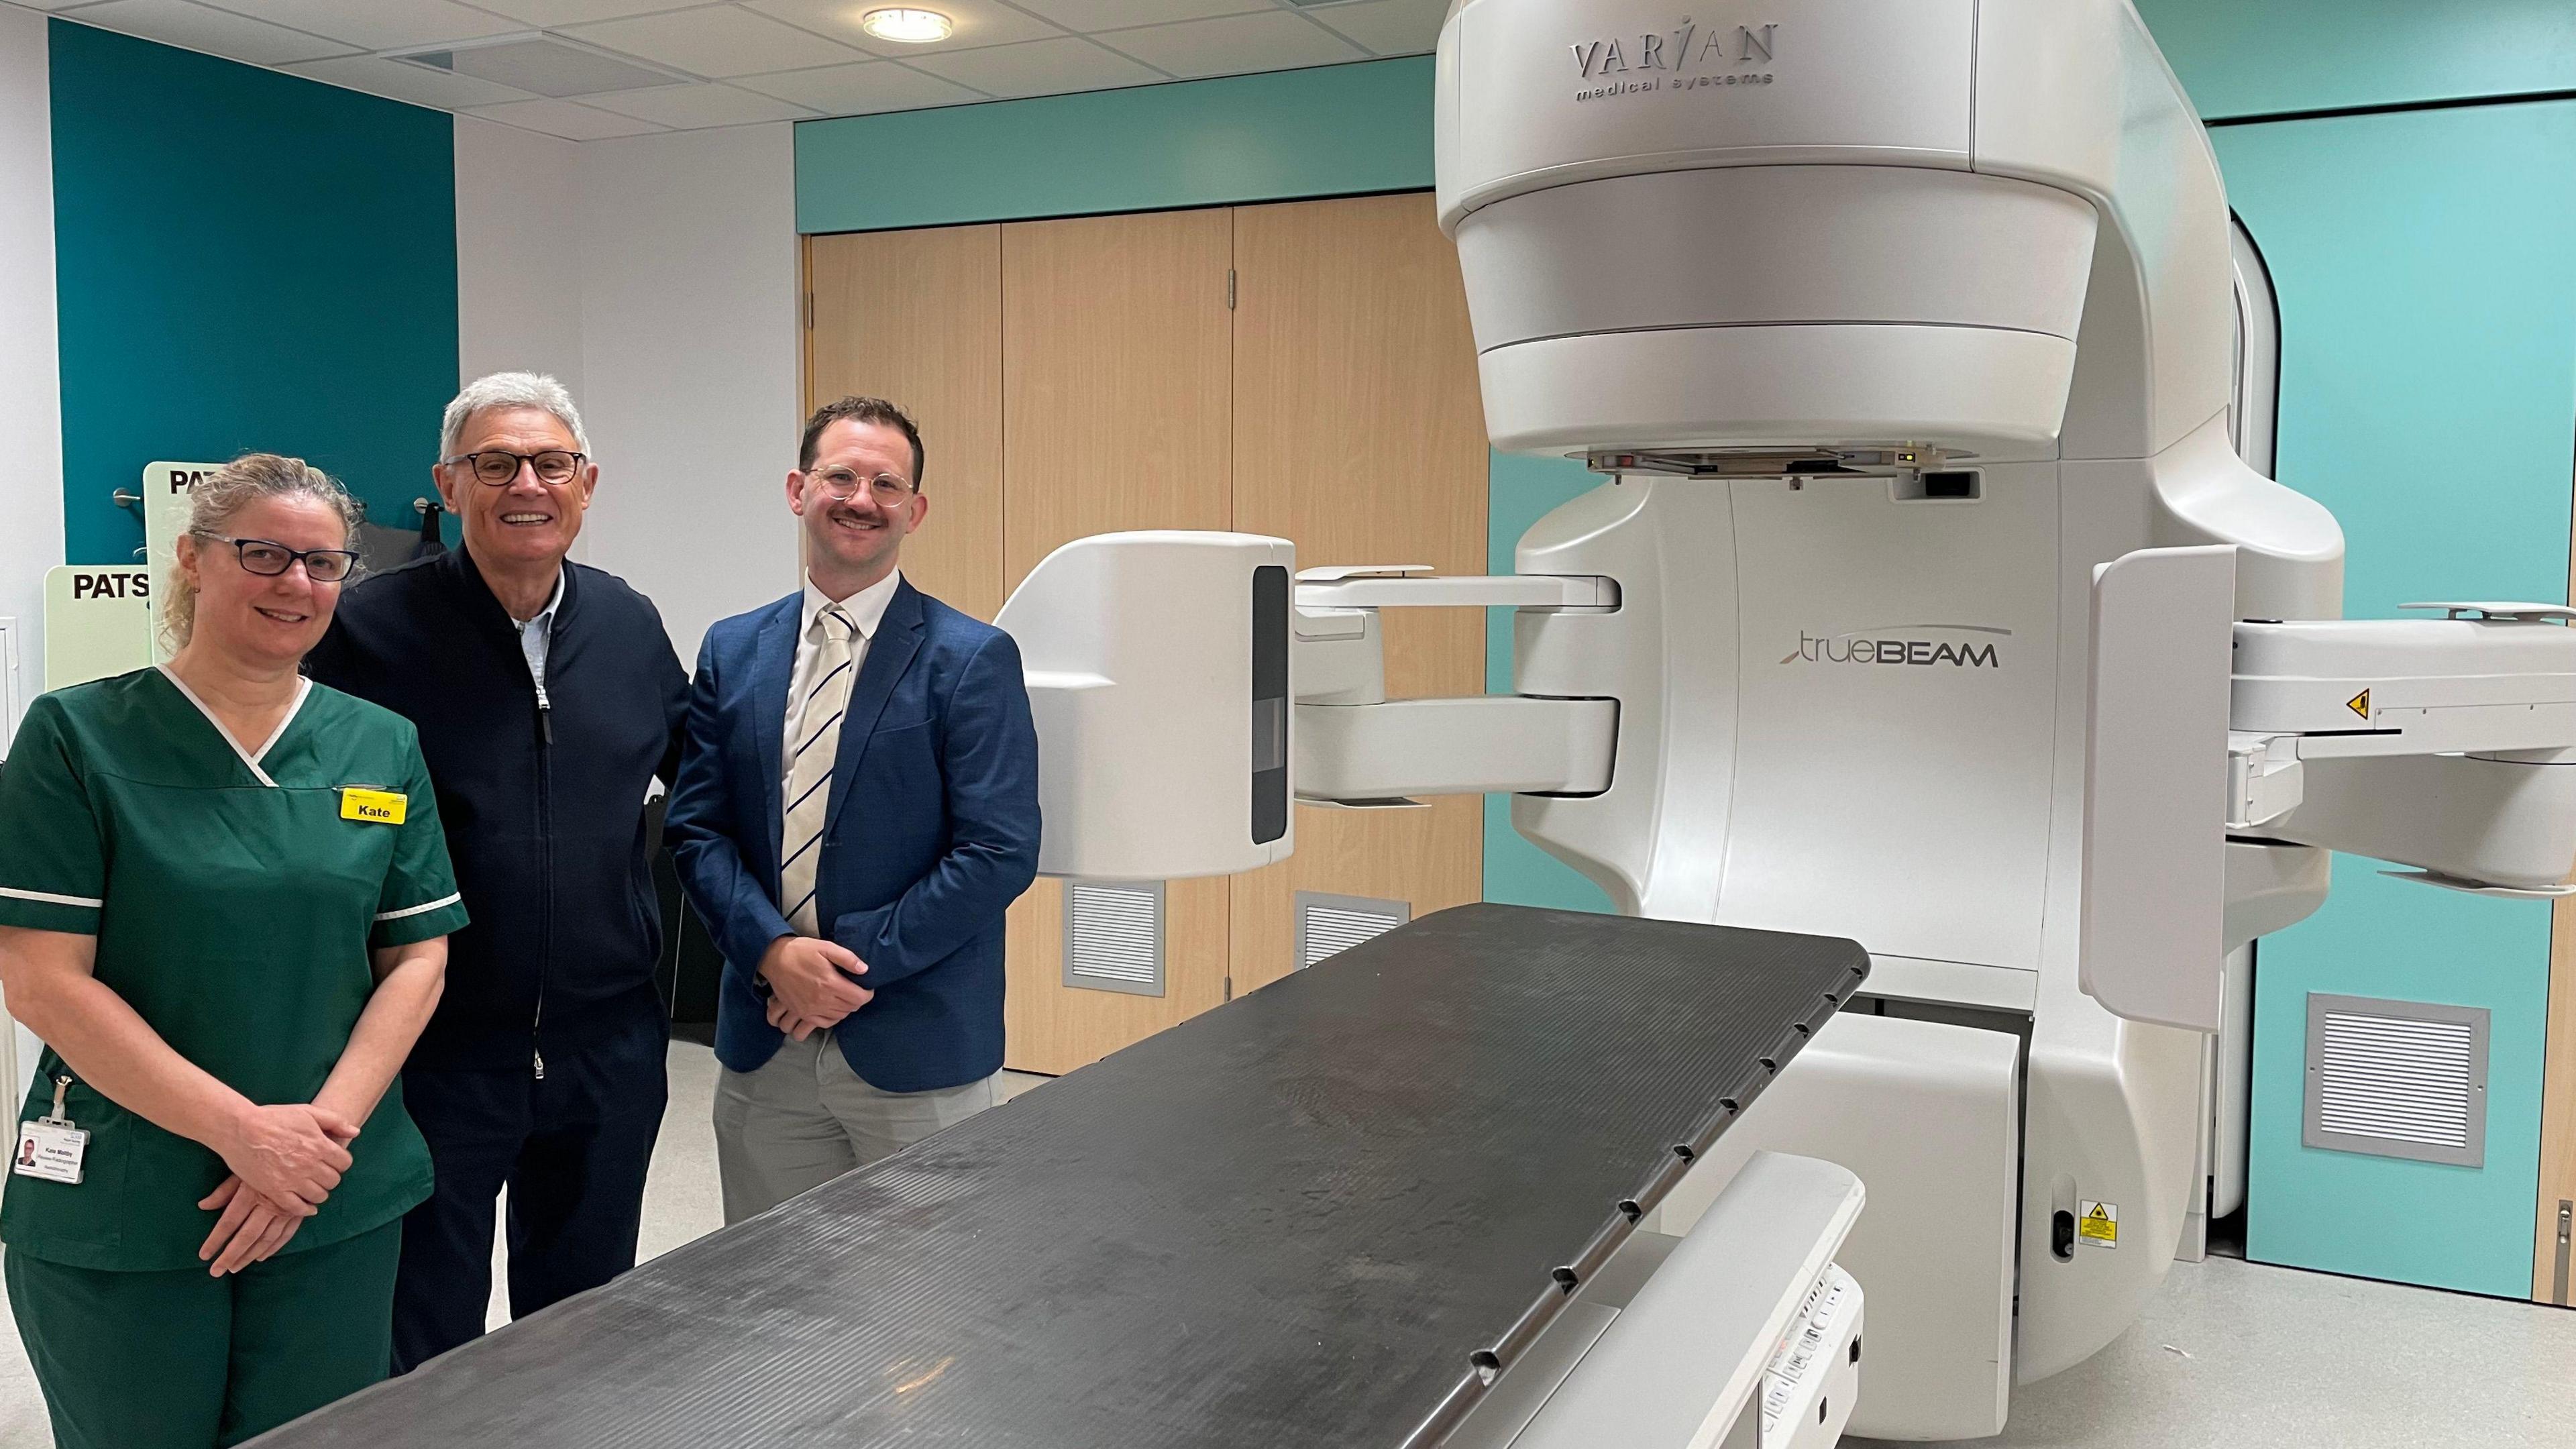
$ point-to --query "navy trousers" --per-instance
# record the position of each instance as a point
(572, 1148)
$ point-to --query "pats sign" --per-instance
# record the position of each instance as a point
(98, 622)
(165, 517)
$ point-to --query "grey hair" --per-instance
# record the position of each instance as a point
(509, 390)
(221, 495)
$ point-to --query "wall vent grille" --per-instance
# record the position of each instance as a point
(1328, 923)
(2397, 1079)
(1113, 936)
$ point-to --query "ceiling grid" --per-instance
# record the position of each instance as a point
(605, 68)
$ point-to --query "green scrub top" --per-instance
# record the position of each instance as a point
(235, 899)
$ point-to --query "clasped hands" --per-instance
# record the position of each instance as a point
(813, 984)
(285, 1160)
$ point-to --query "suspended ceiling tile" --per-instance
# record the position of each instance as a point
(1234, 45)
(1088, 15)
(55, 5)
(216, 32)
(1039, 68)
(564, 118)
(862, 89)
(721, 41)
(978, 22)
(691, 107)
(416, 84)
(377, 24)
(1388, 27)
(573, 12)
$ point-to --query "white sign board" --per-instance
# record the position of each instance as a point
(98, 622)
(165, 517)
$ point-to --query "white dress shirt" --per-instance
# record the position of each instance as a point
(865, 609)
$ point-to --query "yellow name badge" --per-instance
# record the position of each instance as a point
(381, 807)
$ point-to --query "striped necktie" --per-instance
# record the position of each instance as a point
(814, 723)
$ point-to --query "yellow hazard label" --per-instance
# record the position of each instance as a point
(2359, 704)
(2099, 1224)
(382, 807)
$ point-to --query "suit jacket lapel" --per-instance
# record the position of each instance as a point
(773, 659)
(898, 638)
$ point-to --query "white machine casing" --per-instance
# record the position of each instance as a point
(1141, 658)
(1981, 235)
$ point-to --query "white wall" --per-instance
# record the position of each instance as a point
(666, 299)
(31, 461)
(689, 350)
(518, 253)
(518, 260)
(31, 422)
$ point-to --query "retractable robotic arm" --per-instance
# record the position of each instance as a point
(1924, 602)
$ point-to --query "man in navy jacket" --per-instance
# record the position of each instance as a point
(856, 808)
(548, 700)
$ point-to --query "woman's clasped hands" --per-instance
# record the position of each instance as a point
(285, 1160)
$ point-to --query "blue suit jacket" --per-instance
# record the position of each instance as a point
(931, 833)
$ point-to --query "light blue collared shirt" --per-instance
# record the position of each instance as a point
(537, 635)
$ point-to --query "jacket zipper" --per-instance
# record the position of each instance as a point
(545, 868)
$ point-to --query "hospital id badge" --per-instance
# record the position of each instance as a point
(50, 1148)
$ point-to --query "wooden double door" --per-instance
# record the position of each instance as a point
(1303, 370)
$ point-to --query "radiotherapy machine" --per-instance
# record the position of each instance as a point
(1923, 601)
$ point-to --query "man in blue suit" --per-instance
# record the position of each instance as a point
(856, 807)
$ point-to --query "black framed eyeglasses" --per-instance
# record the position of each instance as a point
(269, 558)
(554, 467)
(844, 484)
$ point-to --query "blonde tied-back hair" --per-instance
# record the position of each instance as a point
(224, 493)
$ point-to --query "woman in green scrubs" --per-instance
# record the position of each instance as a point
(224, 902)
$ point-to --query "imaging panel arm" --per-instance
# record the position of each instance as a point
(1354, 746)
(1184, 688)
(2445, 744)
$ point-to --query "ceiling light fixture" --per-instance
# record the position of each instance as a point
(914, 27)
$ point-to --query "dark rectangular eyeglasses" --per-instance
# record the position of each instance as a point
(268, 558)
(554, 467)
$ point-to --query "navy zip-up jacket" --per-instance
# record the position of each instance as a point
(544, 810)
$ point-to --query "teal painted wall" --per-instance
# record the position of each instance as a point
(245, 261)
(2264, 57)
(1522, 491)
(1329, 131)
(2428, 396)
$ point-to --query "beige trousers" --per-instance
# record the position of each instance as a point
(804, 1118)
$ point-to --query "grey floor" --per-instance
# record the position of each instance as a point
(2233, 1354)
(2238, 1354)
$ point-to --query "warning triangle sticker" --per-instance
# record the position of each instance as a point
(2359, 704)
(2100, 1225)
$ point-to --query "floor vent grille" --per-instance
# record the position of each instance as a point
(2397, 1079)
(1113, 936)
(1327, 924)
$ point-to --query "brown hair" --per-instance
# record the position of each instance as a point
(219, 495)
(860, 410)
